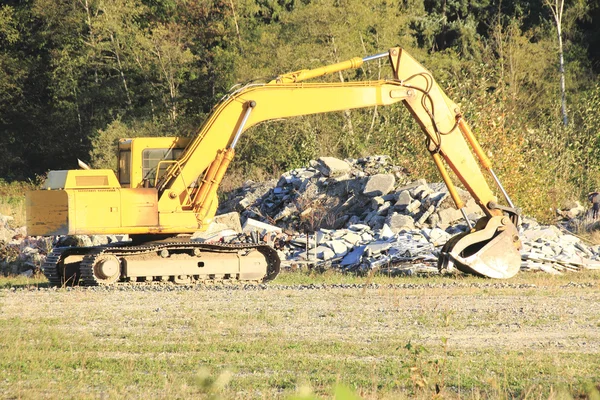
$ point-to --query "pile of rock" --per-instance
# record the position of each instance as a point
(366, 214)
(335, 194)
(20, 254)
(361, 248)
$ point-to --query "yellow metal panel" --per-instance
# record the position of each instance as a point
(47, 212)
(178, 222)
(95, 209)
(139, 207)
(91, 178)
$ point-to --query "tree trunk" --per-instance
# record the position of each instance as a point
(563, 90)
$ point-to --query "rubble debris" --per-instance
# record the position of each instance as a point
(354, 215)
(403, 223)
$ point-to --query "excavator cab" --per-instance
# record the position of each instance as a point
(143, 161)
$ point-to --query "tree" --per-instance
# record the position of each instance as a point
(576, 11)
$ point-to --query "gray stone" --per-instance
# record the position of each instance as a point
(287, 211)
(99, 240)
(354, 257)
(449, 216)
(377, 222)
(377, 202)
(324, 253)
(412, 185)
(230, 220)
(550, 233)
(393, 197)
(366, 237)
(355, 219)
(332, 167)
(384, 209)
(420, 192)
(352, 238)
(583, 249)
(243, 204)
(426, 215)
(358, 227)
(438, 236)
(379, 185)
(386, 232)
(404, 199)
(434, 221)
(310, 255)
(471, 207)
(303, 242)
(338, 246)
(369, 217)
(435, 199)
(213, 236)
(322, 235)
(398, 222)
(568, 239)
(413, 206)
(378, 247)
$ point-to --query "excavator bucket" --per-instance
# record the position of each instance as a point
(490, 250)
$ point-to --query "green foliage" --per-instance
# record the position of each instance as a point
(74, 76)
(105, 142)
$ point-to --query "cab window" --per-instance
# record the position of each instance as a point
(125, 168)
(151, 158)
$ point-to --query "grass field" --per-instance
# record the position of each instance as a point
(305, 336)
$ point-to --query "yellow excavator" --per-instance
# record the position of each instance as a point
(167, 187)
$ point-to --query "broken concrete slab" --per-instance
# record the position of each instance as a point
(230, 221)
(338, 246)
(353, 257)
(398, 222)
(332, 167)
(253, 225)
(449, 216)
(404, 199)
(379, 185)
(352, 238)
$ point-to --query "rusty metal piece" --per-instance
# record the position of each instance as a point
(490, 250)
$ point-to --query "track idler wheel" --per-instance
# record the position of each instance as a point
(107, 269)
(490, 250)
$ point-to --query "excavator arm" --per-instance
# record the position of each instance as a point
(490, 249)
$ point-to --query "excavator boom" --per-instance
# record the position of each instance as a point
(180, 195)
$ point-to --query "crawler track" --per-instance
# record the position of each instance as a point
(82, 271)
